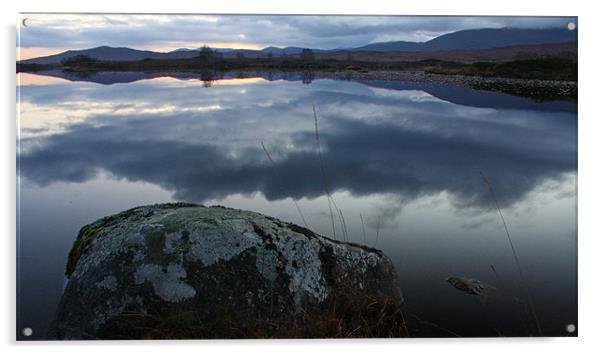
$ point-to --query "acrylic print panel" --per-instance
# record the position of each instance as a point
(204, 176)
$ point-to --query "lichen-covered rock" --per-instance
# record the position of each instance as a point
(190, 271)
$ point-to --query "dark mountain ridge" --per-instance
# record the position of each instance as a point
(474, 39)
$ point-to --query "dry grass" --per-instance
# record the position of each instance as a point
(333, 208)
(294, 201)
(350, 313)
(363, 228)
(377, 231)
(531, 306)
(323, 172)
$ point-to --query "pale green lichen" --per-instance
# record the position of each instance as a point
(211, 243)
(304, 268)
(167, 283)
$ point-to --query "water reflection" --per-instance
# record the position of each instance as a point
(457, 94)
(206, 145)
(100, 144)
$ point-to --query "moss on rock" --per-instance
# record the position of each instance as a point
(80, 246)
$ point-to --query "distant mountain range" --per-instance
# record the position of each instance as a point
(466, 40)
(476, 39)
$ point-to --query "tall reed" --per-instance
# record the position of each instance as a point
(363, 228)
(331, 202)
(377, 231)
(294, 201)
(487, 183)
(343, 226)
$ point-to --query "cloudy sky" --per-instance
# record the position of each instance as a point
(44, 34)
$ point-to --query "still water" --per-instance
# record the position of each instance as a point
(404, 157)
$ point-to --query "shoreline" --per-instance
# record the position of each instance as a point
(531, 88)
(536, 89)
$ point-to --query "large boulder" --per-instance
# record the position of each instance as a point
(188, 271)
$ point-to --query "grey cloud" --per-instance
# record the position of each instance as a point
(311, 31)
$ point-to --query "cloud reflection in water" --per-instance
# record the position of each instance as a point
(376, 140)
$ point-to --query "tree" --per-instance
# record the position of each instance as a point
(307, 77)
(79, 60)
(206, 54)
(240, 55)
(307, 54)
(208, 78)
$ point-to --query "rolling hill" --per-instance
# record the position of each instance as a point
(477, 39)
(562, 50)
(487, 39)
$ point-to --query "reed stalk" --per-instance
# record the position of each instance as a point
(363, 228)
(323, 172)
(377, 230)
(267, 153)
(514, 253)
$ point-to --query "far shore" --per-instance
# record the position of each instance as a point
(537, 89)
(538, 68)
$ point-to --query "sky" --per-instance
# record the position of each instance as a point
(45, 34)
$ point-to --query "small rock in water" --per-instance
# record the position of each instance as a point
(467, 285)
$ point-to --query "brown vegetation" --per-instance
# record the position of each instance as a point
(350, 313)
(562, 50)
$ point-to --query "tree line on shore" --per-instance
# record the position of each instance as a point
(543, 68)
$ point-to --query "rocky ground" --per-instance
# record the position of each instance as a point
(537, 89)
